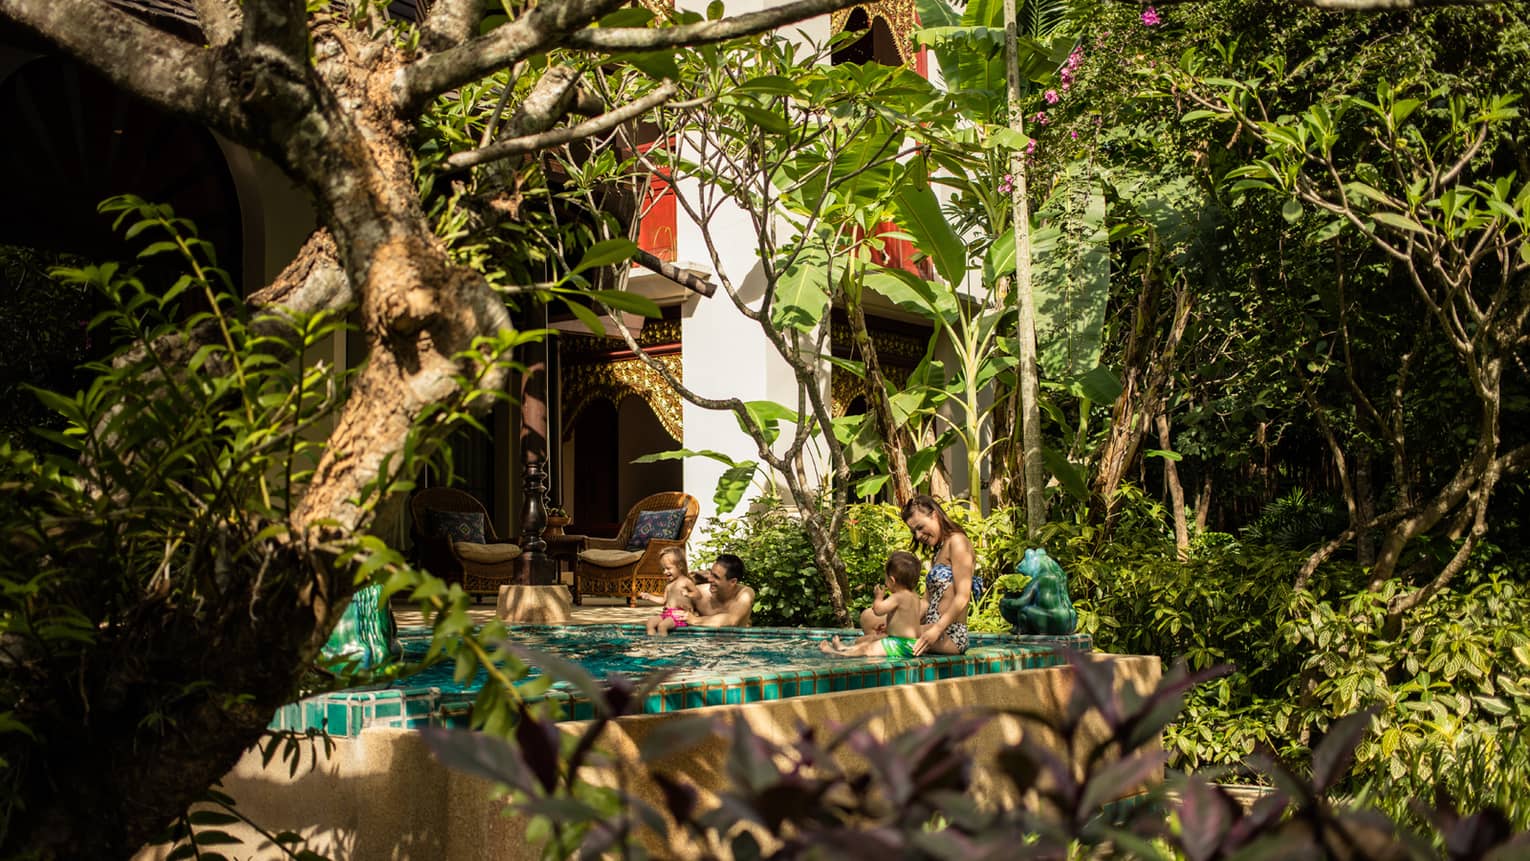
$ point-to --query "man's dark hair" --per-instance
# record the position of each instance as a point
(733, 567)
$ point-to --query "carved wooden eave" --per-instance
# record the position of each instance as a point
(900, 16)
(620, 378)
(594, 370)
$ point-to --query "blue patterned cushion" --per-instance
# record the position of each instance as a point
(456, 525)
(655, 524)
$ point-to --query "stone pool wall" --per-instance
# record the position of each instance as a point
(381, 795)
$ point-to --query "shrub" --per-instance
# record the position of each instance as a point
(779, 559)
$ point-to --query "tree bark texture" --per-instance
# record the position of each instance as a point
(895, 437)
(1029, 369)
(1176, 490)
(1147, 367)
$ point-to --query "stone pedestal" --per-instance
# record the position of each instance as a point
(534, 605)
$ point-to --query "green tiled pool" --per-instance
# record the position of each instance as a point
(713, 666)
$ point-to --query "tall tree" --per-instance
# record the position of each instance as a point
(335, 101)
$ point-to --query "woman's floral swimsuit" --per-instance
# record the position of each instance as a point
(936, 583)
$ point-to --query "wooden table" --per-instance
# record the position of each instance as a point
(567, 548)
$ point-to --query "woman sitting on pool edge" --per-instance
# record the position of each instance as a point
(949, 588)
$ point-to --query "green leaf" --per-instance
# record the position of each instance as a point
(802, 291)
(659, 65)
(589, 318)
(731, 486)
(1006, 137)
(870, 485)
(919, 215)
(1100, 385)
(606, 253)
(1401, 222)
(682, 453)
(1069, 475)
(621, 300)
(767, 120)
(910, 292)
(633, 16)
(768, 415)
(771, 85)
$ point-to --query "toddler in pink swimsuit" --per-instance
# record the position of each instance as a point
(676, 597)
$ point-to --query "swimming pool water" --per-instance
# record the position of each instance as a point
(606, 649)
(712, 666)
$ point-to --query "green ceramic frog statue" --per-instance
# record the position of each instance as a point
(366, 632)
(1043, 607)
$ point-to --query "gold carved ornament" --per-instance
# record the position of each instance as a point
(901, 18)
(845, 387)
(615, 380)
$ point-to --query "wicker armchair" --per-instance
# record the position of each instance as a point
(480, 568)
(607, 567)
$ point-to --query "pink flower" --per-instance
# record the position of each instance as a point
(1041, 117)
(1030, 148)
(1073, 134)
(1051, 96)
(1150, 17)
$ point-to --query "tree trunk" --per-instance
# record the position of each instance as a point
(1148, 365)
(1176, 490)
(1203, 504)
(895, 437)
(1028, 372)
(1365, 507)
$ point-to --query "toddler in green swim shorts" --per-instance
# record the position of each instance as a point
(898, 602)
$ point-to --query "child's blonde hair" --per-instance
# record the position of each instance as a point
(903, 569)
(678, 553)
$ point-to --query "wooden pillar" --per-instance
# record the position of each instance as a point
(537, 568)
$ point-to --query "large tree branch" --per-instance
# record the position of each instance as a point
(550, 100)
(451, 23)
(557, 137)
(544, 26)
(280, 26)
(221, 20)
(153, 65)
(689, 281)
(705, 33)
(313, 281)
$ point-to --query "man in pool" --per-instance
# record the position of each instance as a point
(732, 601)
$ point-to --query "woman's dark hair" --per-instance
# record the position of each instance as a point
(733, 567)
(927, 504)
